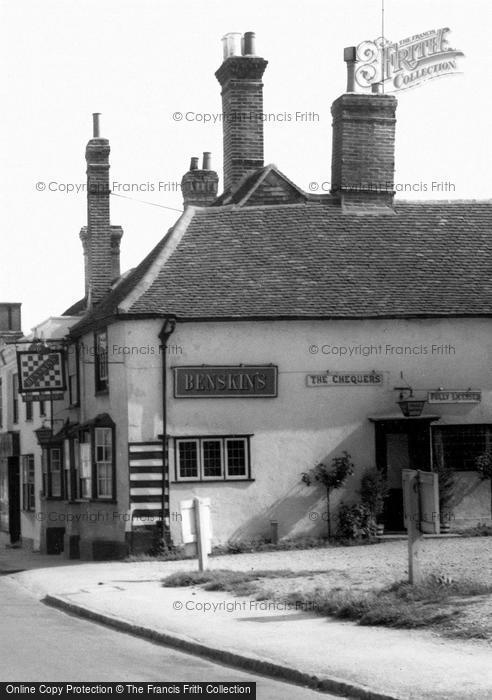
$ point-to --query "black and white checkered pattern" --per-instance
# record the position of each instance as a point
(52, 377)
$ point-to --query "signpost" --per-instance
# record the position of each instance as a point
(421, 514)
(196, 527)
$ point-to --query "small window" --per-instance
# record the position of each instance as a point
(28, 410)
(236, 460)
(44, 470)
(42, 408)
(104, 462)
(101, 360)
(212, 458)
(28, 482)
(73, 376)
(67, 481)
(55, 472)
(85, 468)
(75, 448)
(15, 399)
(188, 459)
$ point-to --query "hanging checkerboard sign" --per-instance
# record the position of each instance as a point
(40, 371)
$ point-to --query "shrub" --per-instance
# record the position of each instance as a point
(355, 521)
(373, 490)
(483, 465)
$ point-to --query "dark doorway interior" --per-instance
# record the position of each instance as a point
(401, 443)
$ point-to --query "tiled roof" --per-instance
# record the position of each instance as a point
(312, 260)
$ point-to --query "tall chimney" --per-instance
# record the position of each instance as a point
(199, 187)
(240, 76)
(100, 240)
(363, 154)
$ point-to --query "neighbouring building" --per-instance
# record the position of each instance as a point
(22, 423)
(269, 330)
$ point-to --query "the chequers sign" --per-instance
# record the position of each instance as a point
(40, 371)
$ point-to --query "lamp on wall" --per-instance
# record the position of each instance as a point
(409, 405)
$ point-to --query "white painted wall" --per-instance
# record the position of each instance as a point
(304, 425)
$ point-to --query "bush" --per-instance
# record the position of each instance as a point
(373, 490)
(355, 521)
(483, 465)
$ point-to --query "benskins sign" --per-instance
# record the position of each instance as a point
(406, 63)
(243, 381)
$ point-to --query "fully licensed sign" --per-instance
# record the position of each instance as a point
(243, 381)
(343, 379)
(454, 396)
(40, 371)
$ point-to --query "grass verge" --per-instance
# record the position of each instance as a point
(236, 582)
(436, 603)
(400, 605)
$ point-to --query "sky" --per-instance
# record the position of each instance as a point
(138, 62)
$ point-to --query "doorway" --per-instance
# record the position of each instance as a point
(14, 499)
(401, 443)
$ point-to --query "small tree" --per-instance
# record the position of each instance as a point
(373, 491)
(331, 476)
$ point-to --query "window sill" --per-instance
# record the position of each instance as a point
(101, 392)
(211, 481)
(109, 501)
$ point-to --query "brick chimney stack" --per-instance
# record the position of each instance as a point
(240, 76)
(363, 155)
(100, 240)
(199, 187)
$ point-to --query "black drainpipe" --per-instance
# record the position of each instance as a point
(164, 335)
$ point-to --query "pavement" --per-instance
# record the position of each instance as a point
(292, 644)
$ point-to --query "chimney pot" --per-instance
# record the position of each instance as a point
(194, 164)
(95, 124)
(249, 44)
(206, 160)
(231, 44)
(350, 58)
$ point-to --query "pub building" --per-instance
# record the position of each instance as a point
(271, 329)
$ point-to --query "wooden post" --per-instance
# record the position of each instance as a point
(411, 494)
(201, 535)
